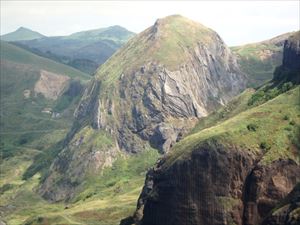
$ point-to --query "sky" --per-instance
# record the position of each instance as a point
(237, 22)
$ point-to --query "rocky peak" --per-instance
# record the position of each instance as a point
(175, 70)
(154, 89)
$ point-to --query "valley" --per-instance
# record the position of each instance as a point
(168, 126)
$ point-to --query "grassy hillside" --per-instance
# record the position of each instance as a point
(21, 34)
(28, 139)
(18, 55)
(22, 120)
(270, 126)
(259, 60)
(104, 200)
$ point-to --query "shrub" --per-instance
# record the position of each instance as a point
(252, 127)
(286, 87)
(256, 97)
(286, 117)
(292, 123)
(288, 128)
(264, 145)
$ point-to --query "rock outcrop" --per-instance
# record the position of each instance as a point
(51, 85)
(152, 91)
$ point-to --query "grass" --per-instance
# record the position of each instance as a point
(22, 122)
(270, 136)
(104, 199)
(19, 55)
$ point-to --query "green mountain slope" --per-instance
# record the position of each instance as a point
(27, 111)
(259, 60)
(18, 55)
(21, 34)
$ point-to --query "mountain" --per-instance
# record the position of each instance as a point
(116, 33)
(83, 50)
(21, 34)
(237, 164)
(259, 60)
(144, 97)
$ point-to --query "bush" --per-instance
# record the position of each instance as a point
(286, 87)
(292, 123)
(252, 127)
(256, 97)
(264, 145)
(288, 128)
(267, 94)
(286, 117)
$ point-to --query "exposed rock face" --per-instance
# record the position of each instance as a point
(50, 84)
(265, 186)
(215, 186)
(155, 89)
(291, 53)
(287, 212)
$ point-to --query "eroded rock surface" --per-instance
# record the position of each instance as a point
(50, 85)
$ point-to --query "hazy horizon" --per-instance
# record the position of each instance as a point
(237, 22)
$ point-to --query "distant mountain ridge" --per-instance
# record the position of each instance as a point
(115, 33)
(21, 34)
(84, 50)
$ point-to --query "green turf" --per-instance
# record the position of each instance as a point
(270, 128)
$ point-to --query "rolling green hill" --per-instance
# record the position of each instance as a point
(18, 55)
(23, 99)
(21, 34)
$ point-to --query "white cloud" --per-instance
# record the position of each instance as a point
(236, 21)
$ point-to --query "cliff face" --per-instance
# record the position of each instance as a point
(151, 92)
(215, 187)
